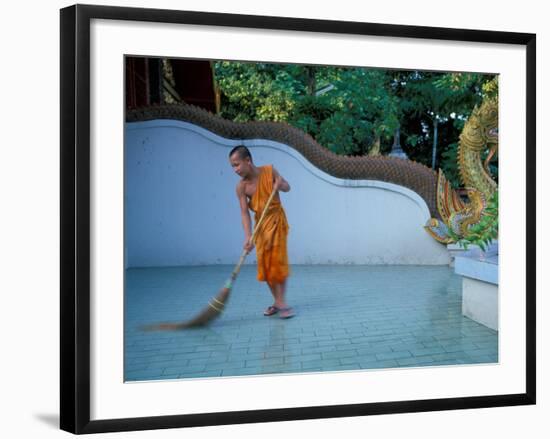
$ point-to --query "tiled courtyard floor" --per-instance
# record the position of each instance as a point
(347, 318)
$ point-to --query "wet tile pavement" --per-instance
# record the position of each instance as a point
(347, 318)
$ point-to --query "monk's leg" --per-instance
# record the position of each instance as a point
(278, 291)
(279, 294)
(273, 292)
(285, 310)
(272, 309)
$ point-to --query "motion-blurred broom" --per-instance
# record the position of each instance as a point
(217, 303)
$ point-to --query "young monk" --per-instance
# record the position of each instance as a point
(253, 191)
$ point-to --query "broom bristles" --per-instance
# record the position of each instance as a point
(210, 312)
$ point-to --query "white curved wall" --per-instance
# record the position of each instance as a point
(181, 207)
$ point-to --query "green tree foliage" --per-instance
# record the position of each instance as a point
(356, 111)
(256, 91)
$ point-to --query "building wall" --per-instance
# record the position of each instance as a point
(181, 207)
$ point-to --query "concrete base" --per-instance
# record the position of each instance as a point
(479, 271)
(480, 302)
(456, 251)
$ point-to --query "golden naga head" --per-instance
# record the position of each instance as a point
(481, 129)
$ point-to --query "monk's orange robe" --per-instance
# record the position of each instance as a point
(271, 238)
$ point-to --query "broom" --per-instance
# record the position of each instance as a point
(217, 303)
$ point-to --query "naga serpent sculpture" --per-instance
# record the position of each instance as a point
(480, 134)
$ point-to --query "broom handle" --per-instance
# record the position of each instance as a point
(256, 228)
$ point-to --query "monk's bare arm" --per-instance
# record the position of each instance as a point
(245, 215)
(281, 184)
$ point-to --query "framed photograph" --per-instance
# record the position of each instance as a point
(275, 218)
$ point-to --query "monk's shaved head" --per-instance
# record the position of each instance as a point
(242, 151)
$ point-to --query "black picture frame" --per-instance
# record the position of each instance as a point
(75, 217)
